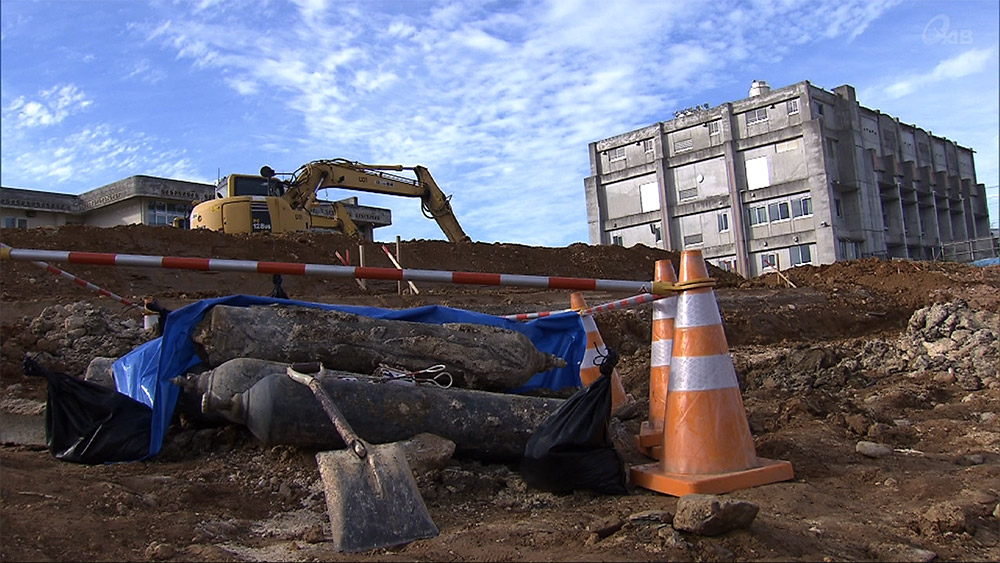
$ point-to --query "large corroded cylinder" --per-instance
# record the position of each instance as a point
(483, 425)
(477, 356)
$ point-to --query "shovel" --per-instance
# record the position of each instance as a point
(371, 495)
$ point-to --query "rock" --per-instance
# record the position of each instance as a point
(313, 534)
(673, 538)
(160, 551)
(946, 378)
(902, 552)
(940, 347)
(427, 452)
(942, 518)
(99, 372)
(857, 423)
(604, 527)
(709, 515)
(872, 449)
(969, 383)
(971, 459)
(652, 517)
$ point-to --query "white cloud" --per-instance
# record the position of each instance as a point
(964, 64)
(144, 70)
(92, 152)
(244, 86)
(52, 106)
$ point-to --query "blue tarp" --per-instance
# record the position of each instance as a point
(145, 373)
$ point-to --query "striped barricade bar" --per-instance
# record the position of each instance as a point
(78, 281)
(626, 303)
(324, 270)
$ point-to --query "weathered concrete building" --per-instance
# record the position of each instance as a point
(145, 200)
(797, 175)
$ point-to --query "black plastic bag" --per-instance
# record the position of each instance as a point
(88, 423)
(572, 449)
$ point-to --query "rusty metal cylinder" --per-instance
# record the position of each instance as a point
(483, 425)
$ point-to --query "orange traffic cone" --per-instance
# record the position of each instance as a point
(590, 368)
(707, 446)
(649, 441)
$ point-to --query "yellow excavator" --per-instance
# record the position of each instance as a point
(247, 203)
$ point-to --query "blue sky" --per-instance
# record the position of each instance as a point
(498, 99)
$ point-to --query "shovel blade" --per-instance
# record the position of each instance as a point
(373, 502)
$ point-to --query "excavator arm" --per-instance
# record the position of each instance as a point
(340, 173)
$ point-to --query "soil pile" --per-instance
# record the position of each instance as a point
(878, 380)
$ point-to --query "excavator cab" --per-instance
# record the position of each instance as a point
(249, 185)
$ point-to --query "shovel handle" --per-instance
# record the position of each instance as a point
(353, 441)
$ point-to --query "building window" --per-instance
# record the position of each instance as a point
(617, 240)
(756, 116)
(778, 211)
(689, 193)
(758, 215)
(792, 106)
(649, 197)
(819, 108)
(15, 223)
(800, 255)
(723, 222)
(802, 207)
(160, 213)
(758, 173)
(692, 240)
(685, 145)
(787, 146)
(616, 154)
(647, 146)
(768, 261)
(728, 265)
(655, 230)
(714, 127)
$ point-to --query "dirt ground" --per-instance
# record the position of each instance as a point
(898, 353)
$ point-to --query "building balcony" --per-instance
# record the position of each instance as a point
(845, 186)
(893, 238)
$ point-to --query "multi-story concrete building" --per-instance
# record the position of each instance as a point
(797, 175)
(145, 200)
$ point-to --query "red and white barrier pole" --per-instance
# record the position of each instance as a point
(79, 281)
(610, 306)
(324, 270)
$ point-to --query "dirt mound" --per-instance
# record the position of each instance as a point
(900, 354)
